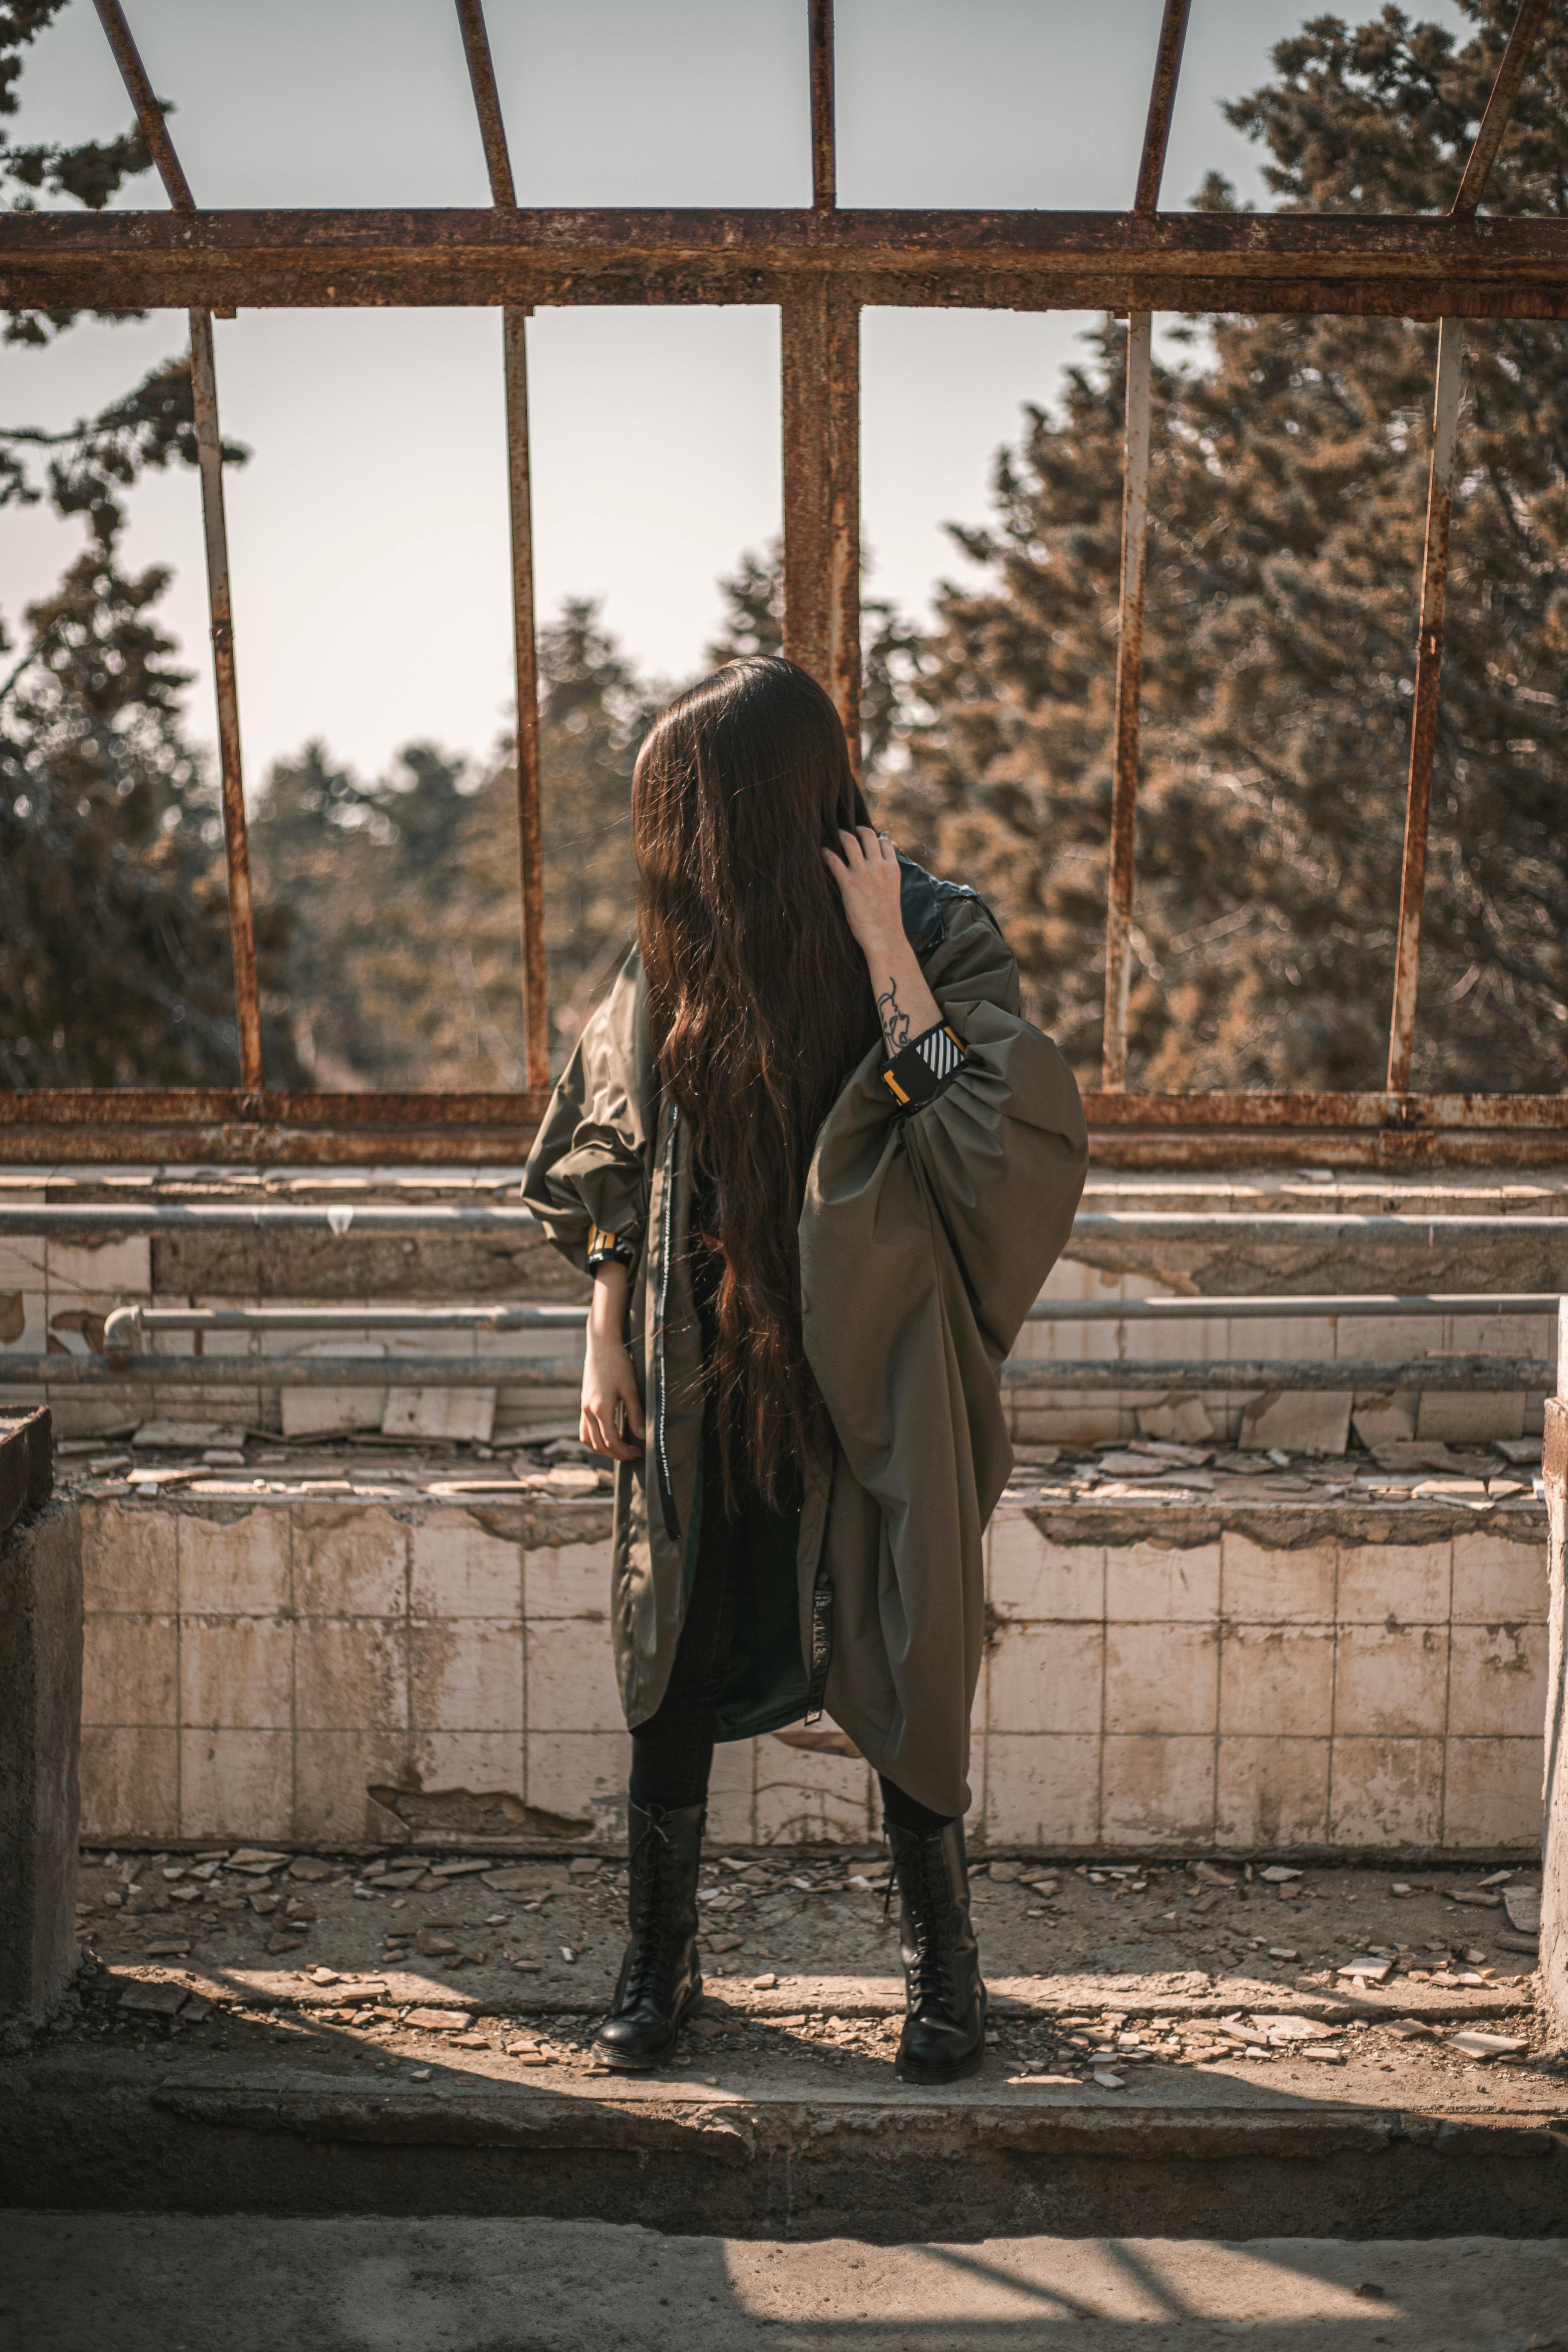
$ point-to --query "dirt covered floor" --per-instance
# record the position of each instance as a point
(430, 2285)
(1098, 1972)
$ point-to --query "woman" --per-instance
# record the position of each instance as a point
(819, 1166)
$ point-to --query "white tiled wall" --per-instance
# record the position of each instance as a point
(252, 1672)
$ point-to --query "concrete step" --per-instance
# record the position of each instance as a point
(780, 2135)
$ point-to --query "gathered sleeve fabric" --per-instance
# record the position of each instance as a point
(589, 1173)
(927, 1233)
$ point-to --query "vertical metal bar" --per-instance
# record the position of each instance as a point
(520, 499)
(529, 818)
(220, 607)
(1128, 686)
(1500, 107)
(242, 931)
(1424, 719)
(1134, 549)
(1435, 563)
(821, 406)
(1161, 103)
(823, 157)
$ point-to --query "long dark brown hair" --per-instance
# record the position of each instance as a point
(759, 1006)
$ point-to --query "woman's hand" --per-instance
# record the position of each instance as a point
(868, 883)
(608, 1380)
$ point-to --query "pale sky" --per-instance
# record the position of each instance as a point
(368, 533)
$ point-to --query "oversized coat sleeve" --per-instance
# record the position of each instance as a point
(987, 1177)
(925, 1237)
(590, 1162)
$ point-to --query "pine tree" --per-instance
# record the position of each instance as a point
(1286, 521)
(406, 964)
(114, 953)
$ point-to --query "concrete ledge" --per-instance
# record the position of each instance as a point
(40, 1715)
(886, 2170)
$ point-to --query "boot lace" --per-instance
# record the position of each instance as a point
(929, 1900)
(648, 1919)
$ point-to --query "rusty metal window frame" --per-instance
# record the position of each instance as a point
(819, 267)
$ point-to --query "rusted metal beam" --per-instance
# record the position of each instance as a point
(1500, 107)
(1134, 550)
(1434, 563)
(214, 530)
(149, 114)
(1364, 264)
(220, 606)
(820, 338)
(525, 658)
(1129, 692)
(487, 101)
(83, 1128)
(519, 502)
(1162, 104)
(824, 149)
(1424, 717)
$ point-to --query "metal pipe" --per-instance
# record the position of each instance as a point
(1424, 717)
(291, 1371)
(62, 1220)
(209, 462)
(1300, 1308)
(824, 154)
(126, 1324)
(1492, 1373)
(820, 337)
(1161, 103)
(519, 500)
(1129, 689)
(1500, 107)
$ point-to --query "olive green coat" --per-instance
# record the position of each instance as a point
(924, 1238)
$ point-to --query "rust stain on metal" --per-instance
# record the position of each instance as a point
(1161, 103)
(821, 415)
(1500, 107)
(1424, 719)
(824, 154)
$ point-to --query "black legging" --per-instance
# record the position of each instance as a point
(672, 1752)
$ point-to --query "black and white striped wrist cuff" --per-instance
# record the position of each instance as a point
(919, 1071)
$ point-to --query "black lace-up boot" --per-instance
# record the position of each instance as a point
(944, 1999)
(659, 1979)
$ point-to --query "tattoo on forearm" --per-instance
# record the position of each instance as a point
(895, 1020)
